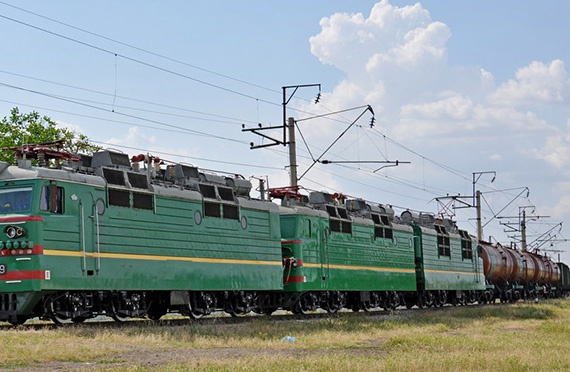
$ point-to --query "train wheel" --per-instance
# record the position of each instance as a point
(367, 306)
(60, 320)
(194, 315)
(269, 310)
(154, 315)
(17, 321)
(114, 314)
(299, 309)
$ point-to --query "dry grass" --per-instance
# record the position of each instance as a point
(522, 337)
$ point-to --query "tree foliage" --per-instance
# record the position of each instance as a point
(18, 129)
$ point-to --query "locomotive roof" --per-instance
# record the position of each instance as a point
(19, 173)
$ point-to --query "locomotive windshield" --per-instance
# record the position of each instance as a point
(15, 200)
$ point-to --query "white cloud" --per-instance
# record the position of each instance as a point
(556, 150)
(495, 157)
(396, 61)
(460, 115)
(536, 83)
(391, 37)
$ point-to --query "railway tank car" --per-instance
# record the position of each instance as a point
(512, 274)
(103, 236)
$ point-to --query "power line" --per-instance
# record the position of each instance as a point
(126, 98)
(123, 114)
(143, 50)
(130, 124)
(140, 62)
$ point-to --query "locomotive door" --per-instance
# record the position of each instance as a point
(88, 229)
(324, 234)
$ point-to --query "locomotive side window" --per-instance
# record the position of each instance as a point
(382, 227)
(466, 249)
(51, 199)
(212, 209)
(230, 211)
(443, 246)
(142, 201)
(119, 198)
(347, 227)
(342, 224)
(335, 225)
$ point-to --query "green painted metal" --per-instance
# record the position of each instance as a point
(165, 248)
(452, 272)
(339, 261)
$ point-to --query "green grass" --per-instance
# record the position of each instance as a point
(521, 337)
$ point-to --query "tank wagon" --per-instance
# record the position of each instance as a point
(514, 274)
(133, 237)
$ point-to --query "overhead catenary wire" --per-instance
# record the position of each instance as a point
(129, 98)
(124, 114)
(142, 49)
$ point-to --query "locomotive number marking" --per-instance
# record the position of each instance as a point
(3, 269)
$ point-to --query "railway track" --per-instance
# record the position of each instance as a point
(222, 318)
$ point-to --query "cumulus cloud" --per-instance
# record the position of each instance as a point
(389, 41)
(556, 150)
(536, 83)
(396, 60)
(460, 115)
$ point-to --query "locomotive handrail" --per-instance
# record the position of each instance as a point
(97, 231)
(84, 261)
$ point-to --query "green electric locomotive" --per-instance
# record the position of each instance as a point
(130, 237)
(87, 237)
(349, 253)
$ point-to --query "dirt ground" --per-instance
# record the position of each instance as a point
(150, 357)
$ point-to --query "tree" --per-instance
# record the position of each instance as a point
(19, 129)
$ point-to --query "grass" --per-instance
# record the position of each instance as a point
(521, 337)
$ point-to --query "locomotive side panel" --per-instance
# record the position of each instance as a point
(352, 260)
(451, 265)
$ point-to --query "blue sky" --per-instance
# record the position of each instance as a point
(469, 86)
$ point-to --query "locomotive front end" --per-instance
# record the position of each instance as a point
(20, 250)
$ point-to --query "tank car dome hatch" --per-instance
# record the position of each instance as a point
(320, 197)
(110, 159)
(241, 187)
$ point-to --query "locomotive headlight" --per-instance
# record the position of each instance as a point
(13, 232)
